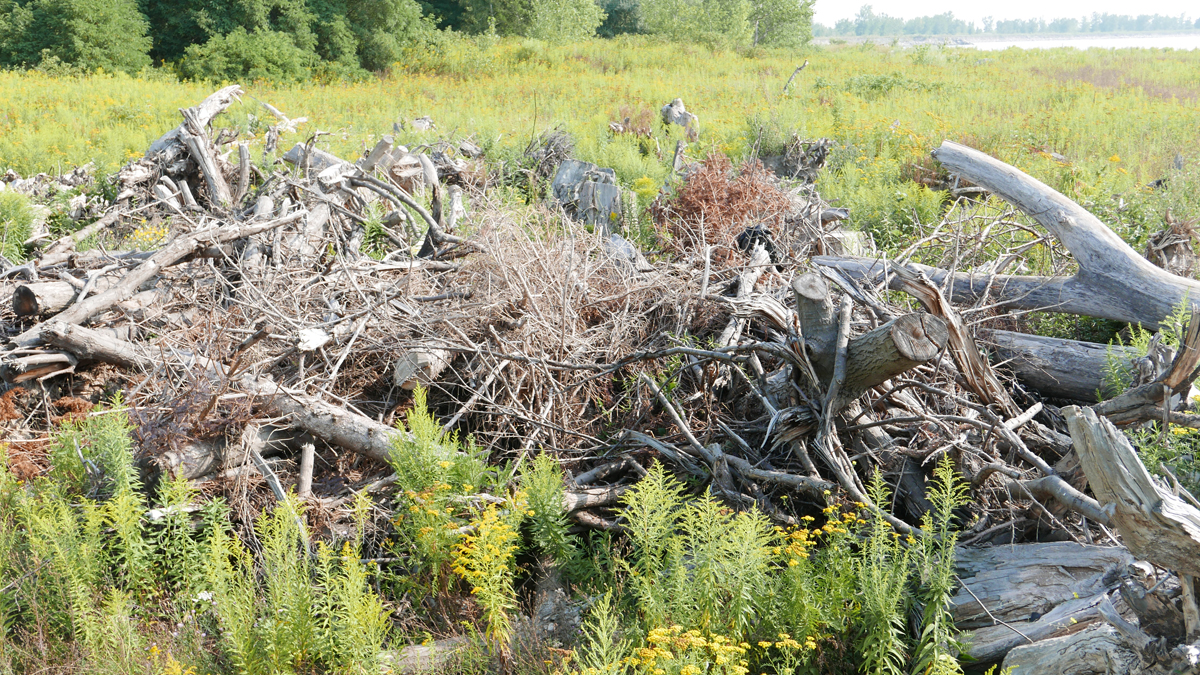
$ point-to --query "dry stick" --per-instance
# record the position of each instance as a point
(170, 254)
(307, 454)
(435, 231)
(794, 74)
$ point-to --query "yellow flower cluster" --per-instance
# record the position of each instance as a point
(672, 649)
(484, 558)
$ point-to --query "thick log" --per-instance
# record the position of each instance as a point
(814, 308)
(203, 114)
(333, 424)
(1099, 648)
(420, 659)
(42, 298)
(1113, 281)
(895, 347)
(91, 345)
(1154, 523)
(1057, 368)
(1015, 595)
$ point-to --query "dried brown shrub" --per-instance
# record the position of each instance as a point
(715, 203)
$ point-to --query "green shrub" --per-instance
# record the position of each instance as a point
(543, 486)
(88, 35)
(16, 225)
(263, 55)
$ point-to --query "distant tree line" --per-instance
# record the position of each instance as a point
(299, 39)
(867, 22)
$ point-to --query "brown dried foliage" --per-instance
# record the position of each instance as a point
(715, 204)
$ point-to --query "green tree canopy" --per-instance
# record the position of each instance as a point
(88, 34)
(549, 20)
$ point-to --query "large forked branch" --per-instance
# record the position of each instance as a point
(1113, 281)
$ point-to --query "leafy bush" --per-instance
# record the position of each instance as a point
(543, 486)
(436, 476)
(239, 55)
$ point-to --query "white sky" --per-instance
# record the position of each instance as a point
(829, 12)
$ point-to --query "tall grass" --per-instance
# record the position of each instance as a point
(1118, 116)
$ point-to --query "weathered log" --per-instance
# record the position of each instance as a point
(1156, 524)
(201, 148)
(92, 345)
(1057, 368)
(1014, 595)
(420, 367)
(45, 298)
(895, 347)
(1098, 648)
(68, 242)
(1113, 281)
(334, 424)
(872, 358)
(35, 366)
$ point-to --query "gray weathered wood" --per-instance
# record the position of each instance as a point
(1057, 368)
(1113, 281)
(1156, 525)
(1098, 648)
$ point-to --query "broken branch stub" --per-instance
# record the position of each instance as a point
(872, 358)
(1154, 523)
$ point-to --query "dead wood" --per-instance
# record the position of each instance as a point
(171, 254)
(1113, 281)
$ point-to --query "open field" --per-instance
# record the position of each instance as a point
(1118, 117)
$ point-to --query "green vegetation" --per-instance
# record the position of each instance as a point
(16, 224)
(1097, 125)
(99, 581)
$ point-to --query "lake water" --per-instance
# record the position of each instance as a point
(1178, 41)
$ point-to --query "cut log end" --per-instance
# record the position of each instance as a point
(24, 301)
(919, 337)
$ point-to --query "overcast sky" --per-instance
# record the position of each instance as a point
(829, 11)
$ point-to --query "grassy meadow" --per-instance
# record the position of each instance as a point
(1118, 117)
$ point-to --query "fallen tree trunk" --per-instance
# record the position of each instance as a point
(1058, 368)
(1113, 281)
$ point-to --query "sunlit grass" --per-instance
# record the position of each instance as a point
(1119, 117)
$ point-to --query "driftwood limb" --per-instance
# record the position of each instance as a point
(1057, 368)
(1113, 281)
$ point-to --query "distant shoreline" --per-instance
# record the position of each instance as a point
(976, 39)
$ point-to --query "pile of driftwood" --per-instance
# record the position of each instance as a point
(274, 335)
